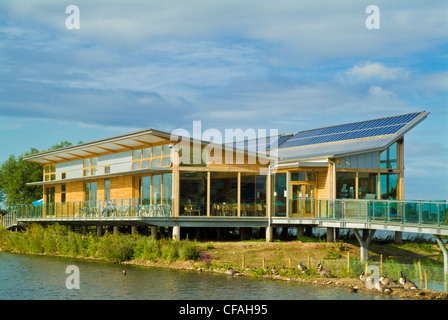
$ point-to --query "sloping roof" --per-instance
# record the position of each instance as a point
(338, 140)
(350, 138)
(94, 148)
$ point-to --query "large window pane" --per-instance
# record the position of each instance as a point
(388, 158)
(303, 176)
(90, 191)
(253, 195)
(156, 189)
(345, 185)
(193, 193)
(279, 195)
(146, 190)
(223, 193)
(389, 186)
(367, 185)
(167, 187)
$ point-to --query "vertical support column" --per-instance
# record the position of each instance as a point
(176, 233)
(364, 242)
(330, 234)
(154, 232)
(99, 231)
(134, 230)
(84, 230)
(445, 254)
(398, 237)
(269, 234)
(116, 230)
(299, 232)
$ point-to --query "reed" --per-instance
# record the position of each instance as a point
(55, 239)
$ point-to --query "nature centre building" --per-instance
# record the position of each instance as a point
(141, 179)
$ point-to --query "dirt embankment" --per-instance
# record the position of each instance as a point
(279, 260)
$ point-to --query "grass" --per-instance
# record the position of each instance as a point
(55, 239)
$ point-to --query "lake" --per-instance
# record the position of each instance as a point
(29, 277)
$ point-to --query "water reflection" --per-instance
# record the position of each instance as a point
(39, 277)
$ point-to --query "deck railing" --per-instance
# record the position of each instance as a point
(413, 212)
(9, 220)
(132, 207)
(382, 211)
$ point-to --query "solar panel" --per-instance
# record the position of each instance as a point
(357, 130)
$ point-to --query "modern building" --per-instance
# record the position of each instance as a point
(167, 180)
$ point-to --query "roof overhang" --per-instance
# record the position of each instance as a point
(91, 149)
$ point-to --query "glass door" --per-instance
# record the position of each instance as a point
(302, 199)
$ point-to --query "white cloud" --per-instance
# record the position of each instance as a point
(376, 70)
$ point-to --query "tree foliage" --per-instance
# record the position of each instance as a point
(15, 173)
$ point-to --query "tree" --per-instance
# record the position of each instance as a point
(15, 173)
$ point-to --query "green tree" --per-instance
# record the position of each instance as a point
(15, 173)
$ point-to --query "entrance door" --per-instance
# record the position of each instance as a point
(302, 199)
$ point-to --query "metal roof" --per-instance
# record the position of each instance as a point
(344, 139)
(351, 138)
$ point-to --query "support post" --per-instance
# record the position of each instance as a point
(84, 230)
(269, 234)
(116, 230)
(99, 231)
(330, 234)
(154, 232)
(445, 254)
(134, 230)
(364, 242)
(176, 233)
(398, 237)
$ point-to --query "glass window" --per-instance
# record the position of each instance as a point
(136, 154)
(145, 164)
(279, 195)
(367, 185)
(303, 176)
(86, 172)
(94, 171)
(253, 195)
(86, 163)
(63, 175)
(155, 163)
(388, 182)
(388, 158)
(157, 151)
(193, 193)
(106, 189)
(156, 188)
(345, 185)
(90, 191)
(94, 162)
(146, 153)
(166, 162)
(167, 187)
(146, 190)
(63, 194)
(135, 165)
(223, 193)
(107, 169)
(166, 149)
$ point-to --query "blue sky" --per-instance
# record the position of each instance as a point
(286, 65)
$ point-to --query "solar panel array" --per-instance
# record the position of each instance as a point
(350, 131)
(260, 144)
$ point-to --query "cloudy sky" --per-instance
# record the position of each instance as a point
(287, 65)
